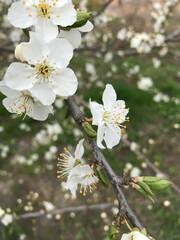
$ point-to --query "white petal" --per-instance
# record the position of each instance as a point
(112, 136)
(41, 112)
(64, 16)
(43, 93)
(79, 150)
(35, 49)
(109, 97)
(19, 76)
(65, 83)
(60, 53)
(97, 111)
(8, 91)
(46, 29)
(81, 171)
(87, 27)
(9, 102)
(20, 17)
(72, 184)
(73, 37)
(100, 136)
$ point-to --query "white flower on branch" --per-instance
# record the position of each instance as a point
(135, 235)
(74, 36)
(77, 173)
(46, 14)
(23, 103)
(109, 118)
(145, 83)
(45, 74)
(7, 219)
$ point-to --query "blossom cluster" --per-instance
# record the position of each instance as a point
(144, 42)
(32, 84)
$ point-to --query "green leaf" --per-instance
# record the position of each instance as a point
(145, 187)
(107, 237)
(145, 194)
(102, 177)
(26, 32)
(82, 19)
(144, 231)
(91, 133)
(156, 183)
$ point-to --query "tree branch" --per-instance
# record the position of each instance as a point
(124, 208)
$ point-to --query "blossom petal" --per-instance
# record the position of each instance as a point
(87, 27)
(109, 97)
(79, 150)
(73, 36)
(65, 82)
(19, 76)
(46, 29)
(21, 17)
(100, 136)
(72, 184)
(35, 49)
(64, 16)
(9, 103)
(112, 136)
(8, 91)
(40, 111)
(97, 111)
(43, 93)
(61, 52)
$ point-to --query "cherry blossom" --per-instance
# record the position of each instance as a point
(24, 104)
(77, 173)
(46, 14)
(45, 74)
(135, 235)
(109, 118)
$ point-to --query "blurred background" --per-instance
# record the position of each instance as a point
(147, 79)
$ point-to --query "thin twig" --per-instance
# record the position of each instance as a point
(66, 210)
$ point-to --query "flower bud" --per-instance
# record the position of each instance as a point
(18, 53)
(156, 183)
(91, 133)
(141, 191)
(145, 187)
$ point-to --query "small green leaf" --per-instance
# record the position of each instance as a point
(26, 32)
(145, 187)
(102, 177)
(135, 229)
(145, 194)
(156, 183)
(144, 231)
(82, 19)
(89, 130)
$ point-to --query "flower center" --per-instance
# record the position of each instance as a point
(43, 71)
(43, 9)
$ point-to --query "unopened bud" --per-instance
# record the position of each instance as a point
(156, 183)
(18, 53)
(89, 130)
(145, 194)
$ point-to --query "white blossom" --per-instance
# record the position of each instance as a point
(48, 206)
(45, 75)
(145, 83)
(7, 219)
(23, 103)
(109, 118)
(45, 15)
(135, 235)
